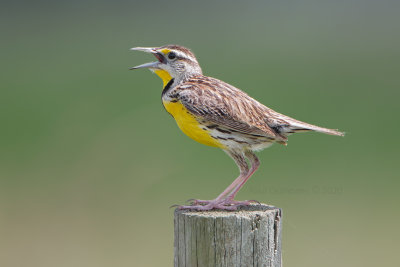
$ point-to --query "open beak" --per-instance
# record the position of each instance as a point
(150, 65)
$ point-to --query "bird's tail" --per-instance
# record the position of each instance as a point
(299, 126)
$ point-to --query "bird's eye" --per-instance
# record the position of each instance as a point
(171, 55)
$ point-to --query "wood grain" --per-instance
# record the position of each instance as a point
(250, 236)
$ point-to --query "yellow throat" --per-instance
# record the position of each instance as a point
(164, 75)
(186, 121)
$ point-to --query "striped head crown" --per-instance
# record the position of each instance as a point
(176, 61)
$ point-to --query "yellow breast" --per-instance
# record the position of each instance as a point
(186, 122)
(189, 125)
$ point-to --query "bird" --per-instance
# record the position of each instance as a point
(217, 114)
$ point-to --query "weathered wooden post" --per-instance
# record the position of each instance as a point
(250, 236)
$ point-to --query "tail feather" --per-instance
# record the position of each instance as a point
(285, 124)
(293, 125)
(320, 130)
(298, 126)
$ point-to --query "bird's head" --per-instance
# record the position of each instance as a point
(173, 62)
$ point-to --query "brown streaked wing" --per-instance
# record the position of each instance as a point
(222, 104)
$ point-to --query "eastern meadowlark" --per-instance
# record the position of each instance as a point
(218, 114)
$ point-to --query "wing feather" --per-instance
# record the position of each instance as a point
(222, 104)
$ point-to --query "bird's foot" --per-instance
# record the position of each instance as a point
(224, 204)
(240, 203)
(198, 204)
(195, 202)
(209, 206)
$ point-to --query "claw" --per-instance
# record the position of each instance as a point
(210, 206)
(223, 207)
(192, 207)
(222, 204)
(231, 202)
(174, 206)
(194, 201)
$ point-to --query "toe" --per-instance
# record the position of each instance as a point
(224, 207)
(195, 207)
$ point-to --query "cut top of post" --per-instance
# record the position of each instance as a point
(244, 211)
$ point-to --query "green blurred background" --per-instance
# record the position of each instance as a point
(90, 161)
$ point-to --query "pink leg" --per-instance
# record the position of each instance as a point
(215, 203)
(221, 196)
(255, 163)
(219, 202)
